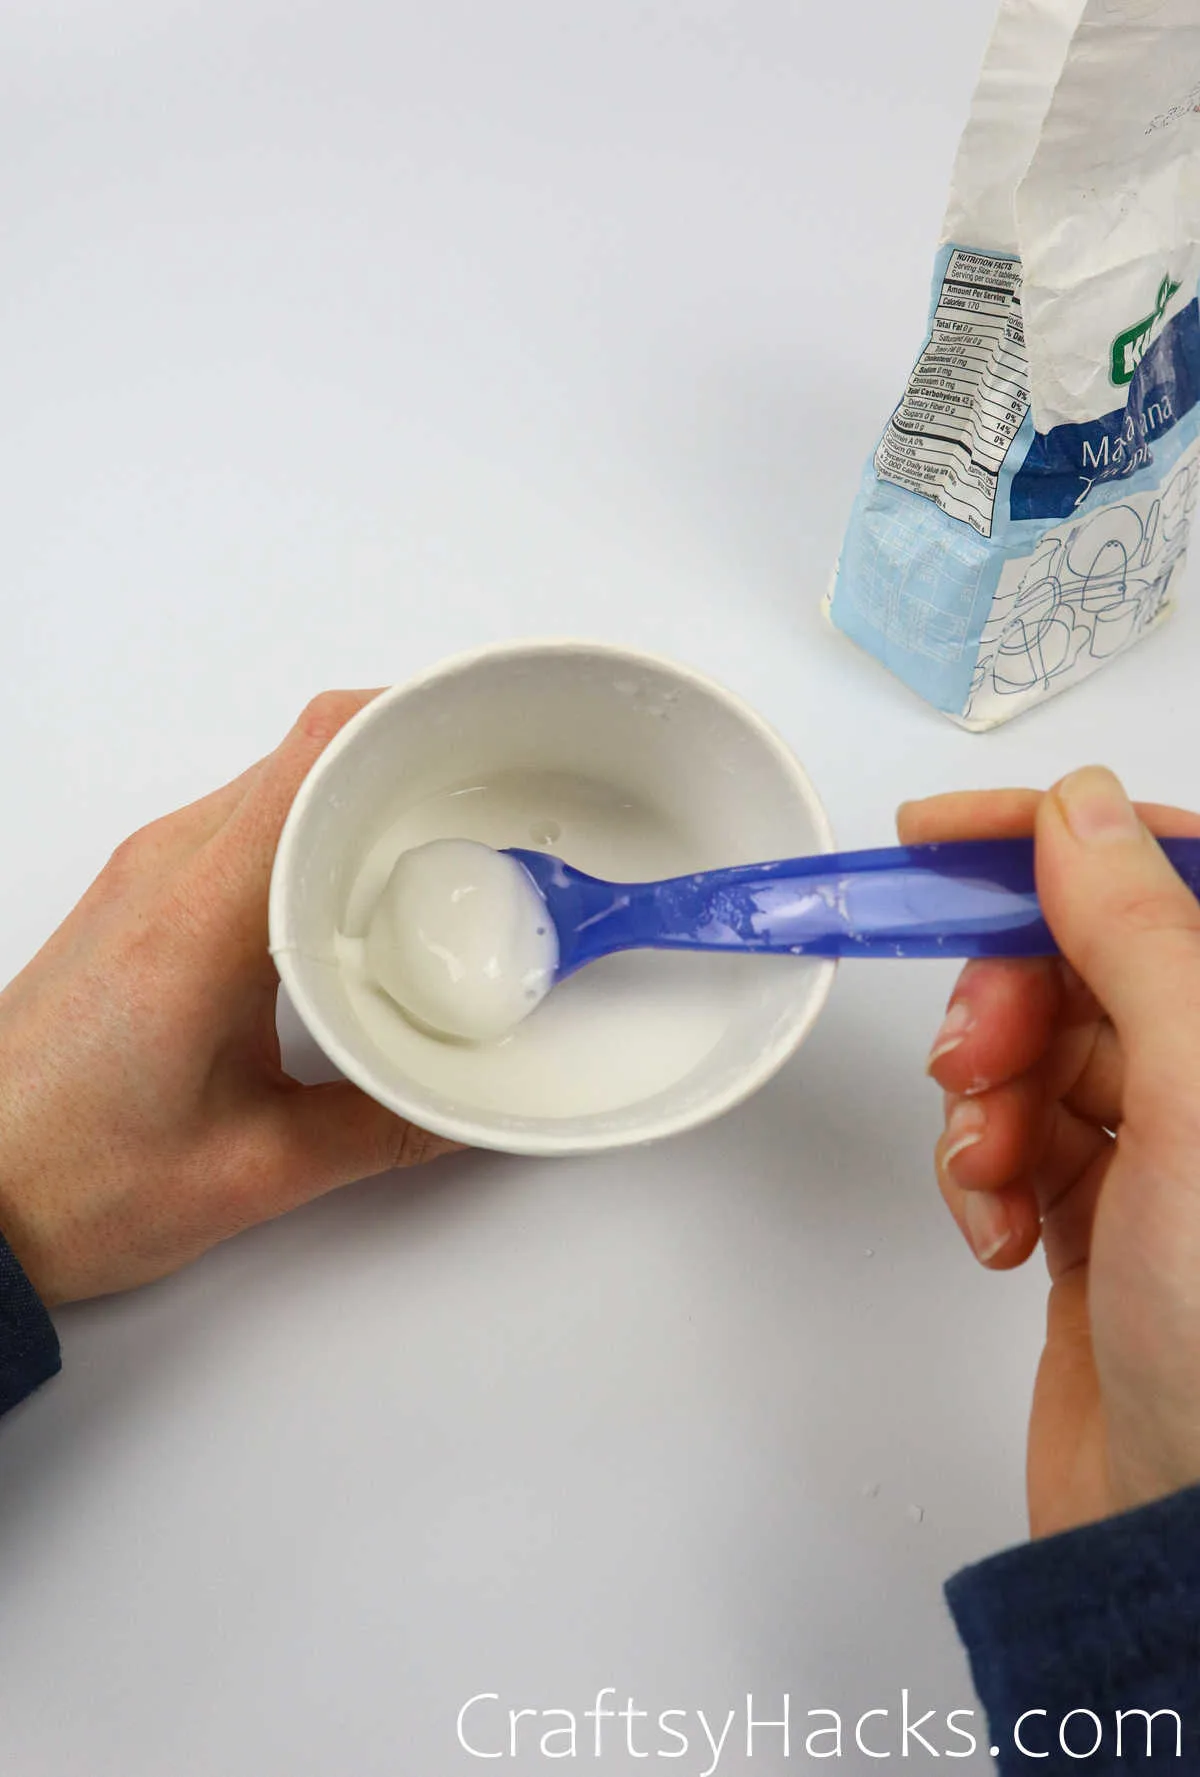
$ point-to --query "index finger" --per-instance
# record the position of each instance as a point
(252, 830)
(1010, 814)
(968, 814)
(1006, 1012)
(230, 875)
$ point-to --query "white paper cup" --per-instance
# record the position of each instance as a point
(651, 1043)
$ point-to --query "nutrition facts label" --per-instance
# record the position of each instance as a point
(968, 394)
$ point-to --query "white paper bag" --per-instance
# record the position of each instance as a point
(1026, 513)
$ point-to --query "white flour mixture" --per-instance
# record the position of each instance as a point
(461, 940)
(618, 1031)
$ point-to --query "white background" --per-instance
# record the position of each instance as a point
(335, 336)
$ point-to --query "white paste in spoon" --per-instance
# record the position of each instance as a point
(461, 940)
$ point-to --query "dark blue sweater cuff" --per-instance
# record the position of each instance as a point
(1103, 1620)
(29, 1350)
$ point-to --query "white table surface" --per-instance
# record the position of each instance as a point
(336, 338)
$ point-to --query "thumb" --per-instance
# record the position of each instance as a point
(1122, 917)
(333, 1134)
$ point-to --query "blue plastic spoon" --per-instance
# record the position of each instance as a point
(968, 898)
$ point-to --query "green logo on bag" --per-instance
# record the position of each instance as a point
(1129, 347)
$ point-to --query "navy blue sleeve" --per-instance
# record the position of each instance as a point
(1093, 1633)
(29, 1352)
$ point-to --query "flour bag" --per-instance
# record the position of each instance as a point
(1026, 513)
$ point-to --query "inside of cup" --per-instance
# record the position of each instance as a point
(627, 768)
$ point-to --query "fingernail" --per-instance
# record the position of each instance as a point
(964, 1129)
(955, 1025)
(987, 1222)
(1096, 808)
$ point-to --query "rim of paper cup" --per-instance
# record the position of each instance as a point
(473, 1128)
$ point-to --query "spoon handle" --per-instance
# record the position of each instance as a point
(964, 899)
